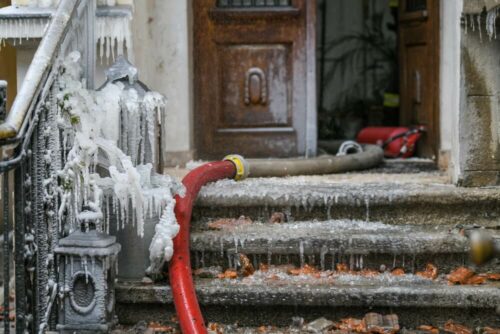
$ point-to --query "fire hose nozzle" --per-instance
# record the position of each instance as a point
(242, 166)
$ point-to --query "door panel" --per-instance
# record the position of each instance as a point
(419, 61)
(254, 85)
(251, 77)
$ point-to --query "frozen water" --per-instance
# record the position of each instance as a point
(22, 29)
(98, 173)
(113, 36)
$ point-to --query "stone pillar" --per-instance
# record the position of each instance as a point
(479, 119)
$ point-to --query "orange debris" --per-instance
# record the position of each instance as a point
(398, 272)
(277, 218)
(213, 326)
(305, 270)
(229, 223)
(430, 329)
(230, 274)
(455, 328)
(247, 268)
(342, 267)
(157, 327)
(263, 267)
(460, 276)
(430, 272)
(352, 325)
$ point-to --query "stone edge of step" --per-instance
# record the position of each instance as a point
(410, 295)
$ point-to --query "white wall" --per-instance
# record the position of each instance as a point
(162, 49)
(451, 12)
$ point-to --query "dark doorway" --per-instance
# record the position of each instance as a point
(378, 66)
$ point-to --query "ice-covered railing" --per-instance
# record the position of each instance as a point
(28, 19)
(78, 155)
(31, 149)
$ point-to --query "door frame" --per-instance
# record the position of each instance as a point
(435, 55)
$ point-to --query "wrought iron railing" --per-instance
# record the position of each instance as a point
(31, 149)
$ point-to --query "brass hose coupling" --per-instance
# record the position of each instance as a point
(242, 166)
(483, 246)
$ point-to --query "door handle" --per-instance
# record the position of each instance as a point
(417, 98)
(255, 87)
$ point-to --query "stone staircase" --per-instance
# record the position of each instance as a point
(353, 235)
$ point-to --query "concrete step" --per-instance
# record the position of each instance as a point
(272, 297)
(324, 244)
(358, 198)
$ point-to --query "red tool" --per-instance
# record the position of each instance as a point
(397, 142)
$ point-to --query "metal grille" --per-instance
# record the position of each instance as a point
(416, 5)
(30, 138)
(253, 3)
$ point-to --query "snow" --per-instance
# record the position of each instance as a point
(106, 173)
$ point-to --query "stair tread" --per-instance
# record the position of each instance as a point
(295, 190)
(348, 236)
(344, 290)
(387, 201)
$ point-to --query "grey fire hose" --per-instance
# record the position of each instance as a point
(371, 156)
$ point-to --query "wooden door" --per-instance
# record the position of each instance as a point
(254, 77)
(419, 70)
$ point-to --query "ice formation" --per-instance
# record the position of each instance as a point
(113, 34)
(21, 29)
(475, 20)
(99, 173)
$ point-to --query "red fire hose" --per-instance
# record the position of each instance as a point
(181, 280)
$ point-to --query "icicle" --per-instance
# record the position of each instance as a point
(480, 27)
(323, 251)
(491, 18)
(333, 260)
(230, 260)
(301, 252)
(367, 205)
(113, 34)
(269, 251)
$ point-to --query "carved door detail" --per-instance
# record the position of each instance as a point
(251, 77)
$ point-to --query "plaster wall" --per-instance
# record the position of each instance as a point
(162, 48)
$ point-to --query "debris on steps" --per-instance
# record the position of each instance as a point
(316, 248)
(370, 323)
(325, 243)
(282, 287)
